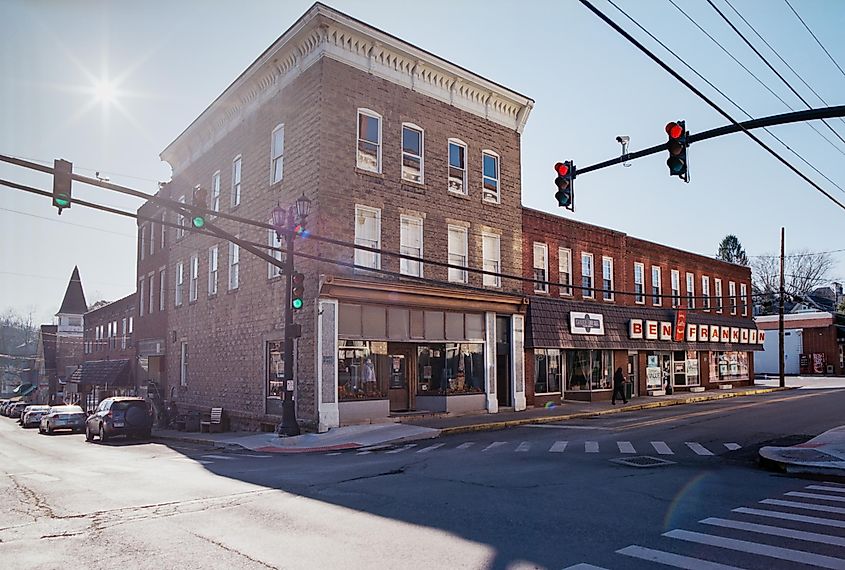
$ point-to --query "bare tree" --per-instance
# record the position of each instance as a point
(803, 271)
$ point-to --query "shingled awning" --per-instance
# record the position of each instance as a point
(103, 372)
(548, 327)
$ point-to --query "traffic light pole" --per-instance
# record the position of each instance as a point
(289, 425)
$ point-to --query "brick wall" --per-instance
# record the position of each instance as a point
(120, 345)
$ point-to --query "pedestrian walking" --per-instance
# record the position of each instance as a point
(619, 386)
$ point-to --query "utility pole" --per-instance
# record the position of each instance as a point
(289, 425)
(782, 363)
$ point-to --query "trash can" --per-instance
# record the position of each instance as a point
(629, 390)
(192, 421)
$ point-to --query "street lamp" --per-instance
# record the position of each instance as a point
(285, 223)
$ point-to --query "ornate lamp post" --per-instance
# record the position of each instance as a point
(285, 223)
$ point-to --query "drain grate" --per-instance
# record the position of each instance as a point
(643, 461)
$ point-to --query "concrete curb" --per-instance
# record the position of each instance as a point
(489, 426)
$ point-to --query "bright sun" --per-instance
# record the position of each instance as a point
(105, 91)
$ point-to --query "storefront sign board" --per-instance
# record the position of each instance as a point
(743, 335)
(704, 333)
(692, 332)
(725, 334)
(752, 336)
(761, 337)
(714, 334)
(651, 328)
(680, 324)
(734, 334)
(665, 331)
(635, 328)
(586, 323)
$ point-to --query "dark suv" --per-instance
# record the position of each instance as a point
(120, 416)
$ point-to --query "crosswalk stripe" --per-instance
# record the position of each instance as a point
(494, 445)
(775, 531)
(217, 457)
(524, 446)
(591, 446)
(625, 447)
(661, 448)
(791, 517)
(403, 448)
(430, 448)
(335, 453)
(807, 506)
(584, 566)
(466, 445)
(778, 552)
(698, 448)
(825, 488)
(670, 559)
(558, 447)
(363, 453)
(733, 446)
(816, 496)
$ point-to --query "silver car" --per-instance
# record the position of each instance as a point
(31, 416)
(62, 417)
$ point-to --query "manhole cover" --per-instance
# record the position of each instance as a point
(642, 461)
(812, 455)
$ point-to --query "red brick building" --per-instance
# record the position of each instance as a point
(814, 343)
(603, 300)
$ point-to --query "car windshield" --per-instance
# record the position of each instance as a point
(123, 406)
(66, 409)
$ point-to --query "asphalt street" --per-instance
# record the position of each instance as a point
(618, 492)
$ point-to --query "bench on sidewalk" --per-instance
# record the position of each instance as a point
(214, 421)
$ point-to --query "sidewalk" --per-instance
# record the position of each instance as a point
(358, 436)
(822, 455)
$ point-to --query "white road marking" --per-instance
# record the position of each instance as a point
(560, 426)
(466, 445)
(776, 531)
(494, 445)
(733, 446)
(524, 446)
(698, 448)
(591, 446)
(815, 496)
(788, 554)
(661, 448)
(791, 517)
(670, 559)
(218, 457)
(625, 447)
(335, 453)
(401, 449)
(254, 456)
(558, 447)
(825, 488)
(584, 566)
(40, 477)
(363, 453)
(807, 506)
(430, 448)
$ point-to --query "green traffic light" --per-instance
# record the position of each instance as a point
(61, 201)
(297, 303)
(198, 221)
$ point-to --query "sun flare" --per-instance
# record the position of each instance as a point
(105, 91)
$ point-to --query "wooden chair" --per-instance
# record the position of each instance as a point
(214, 423)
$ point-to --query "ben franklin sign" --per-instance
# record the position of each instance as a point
(586, 323)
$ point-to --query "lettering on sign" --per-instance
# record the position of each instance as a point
(665, 331)
(734, 334)
(586, 323)
(714, 333)
(752, 336)
(651, 330)
(680, 324)
(692, 332)
(635, 328)
(743, 336)
(761, 337)
(704, 333)
(725, 334)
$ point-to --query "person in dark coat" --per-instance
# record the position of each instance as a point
(619, 386)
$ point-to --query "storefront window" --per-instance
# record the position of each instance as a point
(450, 369)
(589, 370)
(547, 370)
(685, 368)
(363, 370)
(732, 365)
(275, 369)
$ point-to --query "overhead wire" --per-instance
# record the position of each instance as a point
(797, 15)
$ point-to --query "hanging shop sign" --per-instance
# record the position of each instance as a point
(680, 324)
(586, 323)
(666, 331)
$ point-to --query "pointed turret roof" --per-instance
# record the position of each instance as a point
(74, 301)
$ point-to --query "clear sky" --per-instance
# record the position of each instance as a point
(108, 85)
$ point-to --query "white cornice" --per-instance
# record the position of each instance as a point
(324, 32)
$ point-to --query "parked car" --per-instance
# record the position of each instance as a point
(3, 405)
(15, 410)
(62, 417)
(32, 415)
(120, 416)
(4, 409)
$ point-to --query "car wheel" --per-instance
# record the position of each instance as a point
(49, 430)
(88, 435)
(40, 430)
(103, 436)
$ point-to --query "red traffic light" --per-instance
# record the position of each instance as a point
(674, 130)
(561, 168)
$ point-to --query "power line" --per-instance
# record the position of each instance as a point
(797, 15)
(66, 223)
(707, 100)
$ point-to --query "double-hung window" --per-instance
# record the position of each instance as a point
(151, 285)
(369, 141)
(564, 270)
(490, 176)
(234, 265)
(743, 292)
(639, 284)
(410, 243)
(236, 181)
(143, 241)
(732, 295)
(152, 238)
(719, 302)
(676, 288)
(180, 221)
(212, 270)
(690, 291)
(162, 286)
(541, 268)
(275, 243)
(457, 166)
(195, 271)
(141, 297)
(607, 278)
(215, 191)
(457, 253)
(277, 154)
(412, 153)
(491, 254)
(705, 292)
(180, 280)
(587, 275)
(367, 234)
(656, 286)
(163, 240)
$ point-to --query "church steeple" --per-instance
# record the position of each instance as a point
(73, 307)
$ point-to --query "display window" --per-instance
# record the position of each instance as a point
(588, 370)
(363, 370)
(729, 366)
(548, 367)
(450, 369)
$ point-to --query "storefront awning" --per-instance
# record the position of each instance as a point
(24, 390)
(103, 372)
(548, 326)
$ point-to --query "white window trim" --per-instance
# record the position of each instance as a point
(498, 198)
(494, 281)
(359, 255)
(151, 285)
(162, 287)
(180, 221)
(718, 289)
(152, 239)
(273, 241)
(675, 279)
(541, 287)
(236, 185)
(402, 268)
(215, 192)
(565, 290)
(373, 114)
(163, 237)
(464, 189)
(690, 281)
(591, 292)
(743, 292)
(179, 283)
(213, 262)
(641, 299)
(234, 266)
(193, 283)
(732, 296)
(659, 286)
(141, 297)
(463, 277)
(421, 156)
(705, 293)
(277, 154)
(142, 250)
(612, 295)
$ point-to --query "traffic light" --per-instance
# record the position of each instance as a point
(677, 147)
(62, 171)
(565, 194)
(297, 290)
(200, 200)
